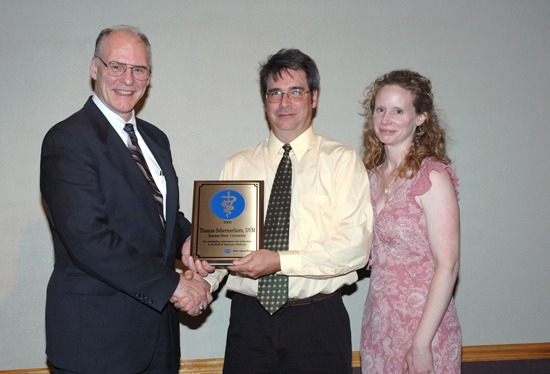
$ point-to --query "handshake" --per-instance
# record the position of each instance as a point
(192, 295)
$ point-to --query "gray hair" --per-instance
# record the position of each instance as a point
(100, 41)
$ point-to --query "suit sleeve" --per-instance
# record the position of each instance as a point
(183, 231)
(81, 214)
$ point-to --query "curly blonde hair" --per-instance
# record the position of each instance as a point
(431, 134)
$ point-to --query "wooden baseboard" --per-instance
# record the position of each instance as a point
(205, 366)
(473, 353)
(505, 352)
(355, 359)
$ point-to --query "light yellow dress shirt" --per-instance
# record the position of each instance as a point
(331, 216)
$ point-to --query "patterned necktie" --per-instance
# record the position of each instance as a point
(272, 288)
(133, 146)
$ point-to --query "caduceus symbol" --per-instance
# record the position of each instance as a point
(228, 204)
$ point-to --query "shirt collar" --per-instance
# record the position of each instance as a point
(300, 145)
(114, 119)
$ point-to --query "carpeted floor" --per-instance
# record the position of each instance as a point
(507, 367)
(500, 367)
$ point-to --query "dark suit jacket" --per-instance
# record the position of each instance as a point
(114, 263)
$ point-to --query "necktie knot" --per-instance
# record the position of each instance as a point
(287, 148)
(129, 128)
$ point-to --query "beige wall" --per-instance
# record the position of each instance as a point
(489, 62)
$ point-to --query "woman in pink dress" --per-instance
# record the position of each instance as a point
(410, 324)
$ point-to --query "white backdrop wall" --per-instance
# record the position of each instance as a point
(489, 63)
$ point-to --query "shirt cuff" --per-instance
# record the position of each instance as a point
(215, 278)
(291, 262)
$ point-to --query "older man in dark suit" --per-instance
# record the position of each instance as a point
(112, 197)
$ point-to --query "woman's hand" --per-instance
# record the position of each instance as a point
(419, 361)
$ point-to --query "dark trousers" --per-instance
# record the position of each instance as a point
(312, 338)
(166, 357)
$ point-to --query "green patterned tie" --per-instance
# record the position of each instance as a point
(273, 289)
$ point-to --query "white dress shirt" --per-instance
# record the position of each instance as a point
(118, 124)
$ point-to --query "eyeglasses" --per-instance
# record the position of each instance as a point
(117, 69)
(296, 94)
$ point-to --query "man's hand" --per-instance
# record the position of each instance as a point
(186, 248)
(201, 267)
(257, 264)
(192, 294)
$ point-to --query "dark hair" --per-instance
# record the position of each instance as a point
(100, 41)
(289, 59)
(431, 134)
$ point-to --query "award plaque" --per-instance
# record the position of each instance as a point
(227, 220)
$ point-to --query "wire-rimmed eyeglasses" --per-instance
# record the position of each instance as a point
(296, 94)
(117, 69)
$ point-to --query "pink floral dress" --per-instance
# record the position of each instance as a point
(402, 270)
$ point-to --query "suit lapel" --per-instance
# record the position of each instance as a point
(117, 152)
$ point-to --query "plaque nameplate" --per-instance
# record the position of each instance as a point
(227, 220)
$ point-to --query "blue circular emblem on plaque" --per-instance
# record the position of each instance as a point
(227, 250)
(227, 204)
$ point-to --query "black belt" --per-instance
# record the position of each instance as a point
(310, 300)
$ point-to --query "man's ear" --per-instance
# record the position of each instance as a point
(93, 69)
(314, 96)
